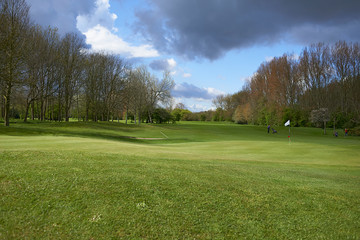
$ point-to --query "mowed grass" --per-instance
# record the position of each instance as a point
(205, 181)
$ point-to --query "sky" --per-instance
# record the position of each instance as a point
(211, 47)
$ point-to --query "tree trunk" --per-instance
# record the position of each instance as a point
(126, 115)
(38, 110)
(67, 114)
(67, 98)
(2, 113)
(32, 110)
(150, 119)
(27, 111)
(42, 112)
(46, 107)
(49, 107)
(53, 111)
(59, 110)
(7, 106)
(77, 108)
(87, 113)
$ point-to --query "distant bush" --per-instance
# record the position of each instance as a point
(179, 114)
(161, 115)
(191, 117)
(354, 131)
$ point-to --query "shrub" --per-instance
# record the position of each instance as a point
(161, 115)
(354, 131)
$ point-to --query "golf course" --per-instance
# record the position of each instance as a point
(189, 180)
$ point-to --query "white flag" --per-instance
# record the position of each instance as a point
(287, 123)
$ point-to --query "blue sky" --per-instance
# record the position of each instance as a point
(211, 47)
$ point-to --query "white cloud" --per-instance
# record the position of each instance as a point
(98, 27)
(187, 75)
(200, 107)
(101, 39)
(195, 105)
(100, 16)
(214, 92)
(172, 63)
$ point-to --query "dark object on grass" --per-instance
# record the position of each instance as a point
(273, 130)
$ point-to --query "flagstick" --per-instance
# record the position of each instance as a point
(288, 124)
(289, 135)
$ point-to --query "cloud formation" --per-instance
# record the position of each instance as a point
(61, 14)
(98, 27)
(100, 15)
(210, 28)
(102, 39)
(163, 64)
(186, 90)
(199, 106)
(93, 19)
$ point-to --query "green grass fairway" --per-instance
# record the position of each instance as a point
(205, 181)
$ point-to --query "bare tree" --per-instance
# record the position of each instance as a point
(14, 16)
(320, 116)
(341, 63)
(113, 84)
(317, 73)
(71, 59)
(158, 91)
(138, 91)
(180, 106)
(40, 59)
(354, 89)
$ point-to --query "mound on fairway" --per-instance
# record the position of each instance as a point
(205, 181)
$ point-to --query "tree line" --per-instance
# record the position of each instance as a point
(322, 85)
(46, 76)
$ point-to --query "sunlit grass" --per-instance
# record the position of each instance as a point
(206, 181)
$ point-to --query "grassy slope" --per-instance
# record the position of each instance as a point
(206, 181)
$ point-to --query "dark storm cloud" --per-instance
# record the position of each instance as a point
(159, 65)
(210, 28)
(186, 90)
(162, 64)
(59, 13)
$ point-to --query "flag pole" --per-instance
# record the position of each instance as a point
(289, 135)
(288, 124)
